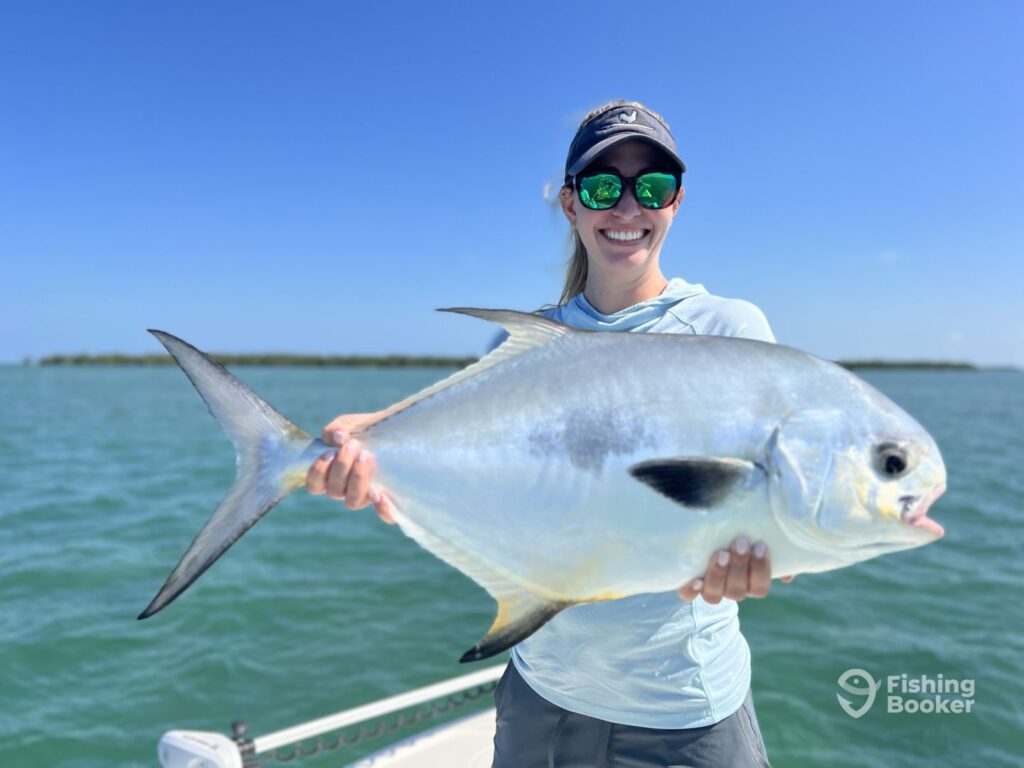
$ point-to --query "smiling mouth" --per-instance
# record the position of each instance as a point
(916, 515)
(626, 236)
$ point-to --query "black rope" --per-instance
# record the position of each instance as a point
(362, 734)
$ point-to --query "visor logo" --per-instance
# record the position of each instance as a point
(628, 117)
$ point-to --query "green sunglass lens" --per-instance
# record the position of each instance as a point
(600, 191)
(655, 190)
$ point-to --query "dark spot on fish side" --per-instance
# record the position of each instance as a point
(589, 437)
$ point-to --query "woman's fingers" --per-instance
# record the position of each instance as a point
(337, 475)
(357, 492)
(690, 591)
(738, 572)
(338, 429)
(316, 478)
(737, 579)
(714, 577)
(346, 472)
(760, 571)
(334, 434)
(382, 503)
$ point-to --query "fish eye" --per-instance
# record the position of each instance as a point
(891, 460)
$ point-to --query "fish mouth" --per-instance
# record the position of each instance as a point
(916, 515)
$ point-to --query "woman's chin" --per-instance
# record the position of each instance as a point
(624, 258)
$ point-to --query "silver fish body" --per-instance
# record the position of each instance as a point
(570, 466)
(527, 466)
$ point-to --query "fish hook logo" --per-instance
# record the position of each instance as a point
(848, 681)
(627, 118)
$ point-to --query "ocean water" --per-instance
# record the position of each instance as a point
(106, 474)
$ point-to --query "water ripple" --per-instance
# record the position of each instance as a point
(108, 473)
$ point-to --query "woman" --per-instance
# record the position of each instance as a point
(650, 680)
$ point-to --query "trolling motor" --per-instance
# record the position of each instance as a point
(202, 749)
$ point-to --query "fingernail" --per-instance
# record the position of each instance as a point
(361, 459)
(723, 558)
(697, 585)
(742, 546)
(338, 437)
(759, 550)
(351, 445)
(328, 455)
(375, 496)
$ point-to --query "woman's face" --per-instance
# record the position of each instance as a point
(625, 240)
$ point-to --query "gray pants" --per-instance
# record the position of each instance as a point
(534, 733)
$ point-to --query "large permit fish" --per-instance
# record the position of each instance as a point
(570, 466)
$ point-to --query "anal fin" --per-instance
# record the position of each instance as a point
(523, 608)
(520, 614)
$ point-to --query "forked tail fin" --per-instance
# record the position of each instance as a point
(273, 456)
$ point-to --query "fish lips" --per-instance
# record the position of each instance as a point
(916, 515)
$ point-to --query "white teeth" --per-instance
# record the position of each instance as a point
(624, 235)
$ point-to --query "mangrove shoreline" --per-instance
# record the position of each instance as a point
(429, 361)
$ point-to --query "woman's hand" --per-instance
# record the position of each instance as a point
(346, 473)
(738, 572)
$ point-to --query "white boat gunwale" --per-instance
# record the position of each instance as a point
(181, 748)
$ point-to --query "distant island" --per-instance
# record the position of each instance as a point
(433, 361)
(379, 361)
(923, 365)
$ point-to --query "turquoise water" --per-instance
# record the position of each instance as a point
(106, 474)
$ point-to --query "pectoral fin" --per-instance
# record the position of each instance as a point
(520, 614)
(698, 481)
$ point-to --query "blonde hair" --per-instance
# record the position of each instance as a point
(576, 267)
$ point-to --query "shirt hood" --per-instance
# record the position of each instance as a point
(579, 313)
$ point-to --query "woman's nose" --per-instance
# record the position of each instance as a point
(628, 206)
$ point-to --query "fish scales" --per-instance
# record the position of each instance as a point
(541, 470)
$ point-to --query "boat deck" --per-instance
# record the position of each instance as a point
(467, 742)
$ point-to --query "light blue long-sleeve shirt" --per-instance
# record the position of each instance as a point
(654, 660)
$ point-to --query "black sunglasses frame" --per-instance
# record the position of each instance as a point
(628, 182)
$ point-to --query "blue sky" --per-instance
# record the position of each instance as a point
(318, 177)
